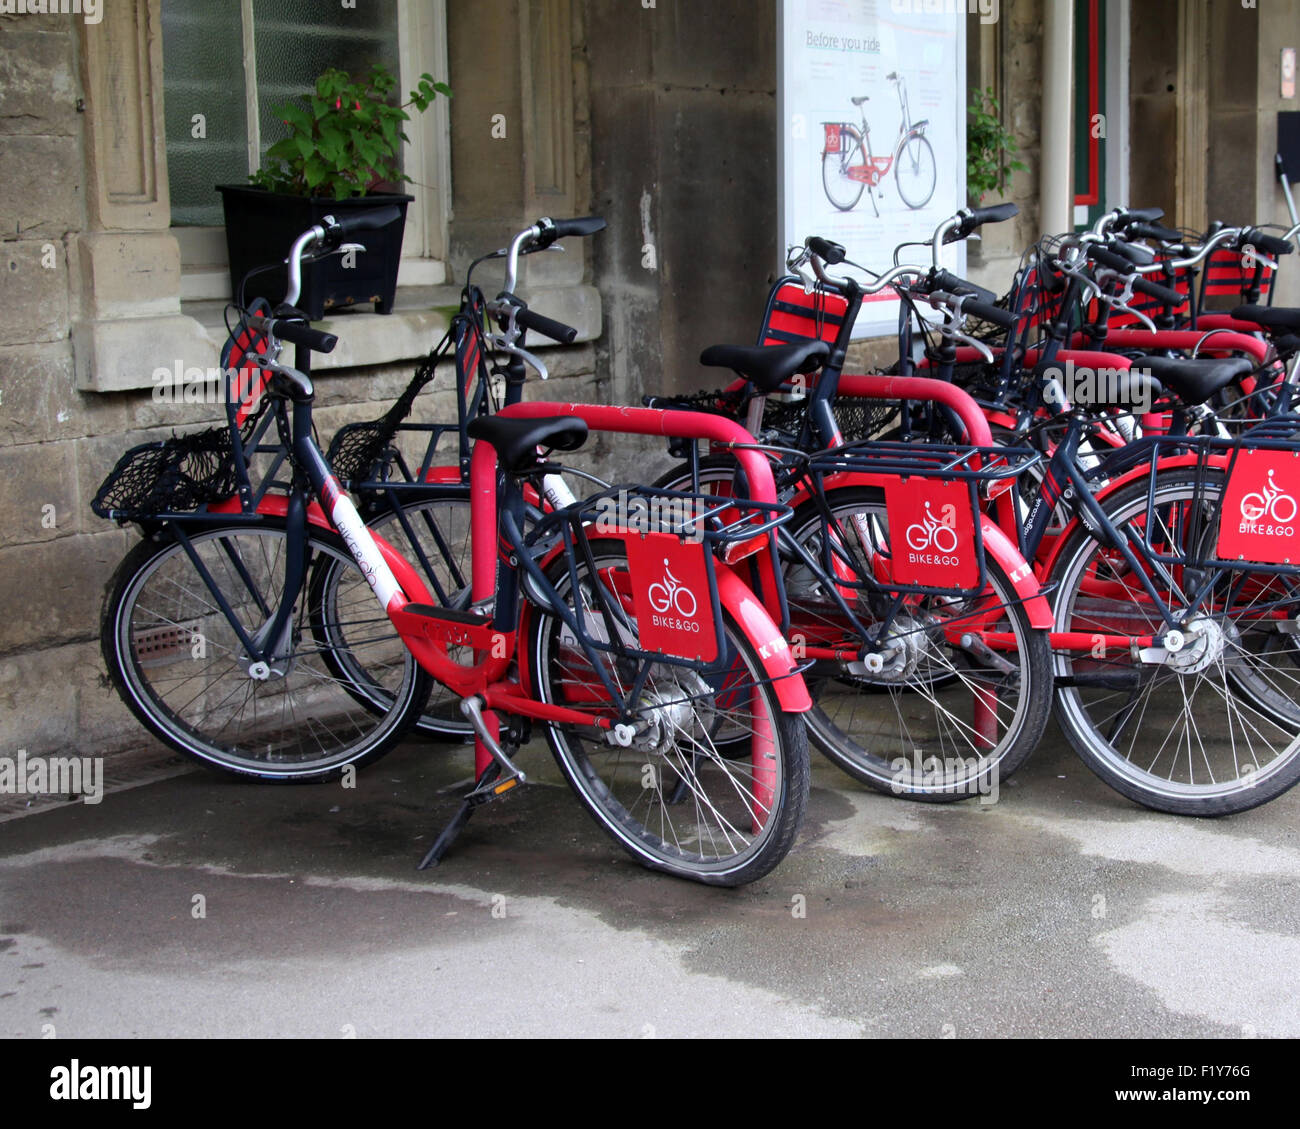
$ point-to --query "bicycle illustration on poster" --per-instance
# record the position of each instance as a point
(873, 128)
(849, 168)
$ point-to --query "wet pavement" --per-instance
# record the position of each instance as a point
(193, 906)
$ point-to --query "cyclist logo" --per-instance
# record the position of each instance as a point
(669, 594)
(672, 595)
(1260, 509)
(1273, 504)
(931, 533)
(932, 526)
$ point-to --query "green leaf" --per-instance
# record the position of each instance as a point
(314, 170)
(297, 117)
(282, 150)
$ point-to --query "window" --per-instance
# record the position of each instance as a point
(228, 63)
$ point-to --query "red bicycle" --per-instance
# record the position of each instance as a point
(849, 168)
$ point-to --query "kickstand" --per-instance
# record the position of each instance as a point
(480, 794)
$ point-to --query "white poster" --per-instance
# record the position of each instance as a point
(872, 100)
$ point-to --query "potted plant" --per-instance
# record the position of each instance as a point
(989, 144)
(340, 156)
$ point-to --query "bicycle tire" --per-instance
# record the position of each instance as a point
(835, 168)
(1252, 694)
(918, 150)
(677, 800)
(946, 724)
(298, 724)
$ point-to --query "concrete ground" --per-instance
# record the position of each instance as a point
(197, 907)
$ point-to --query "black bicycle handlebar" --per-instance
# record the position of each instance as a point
(986, 312)
(982, 310)
(370, 220)
(1155, 231)
(1110, 258)
(946, 280)
(547, 327)
(551, 230)
(1165, 295)
(996, 213)
(1262, 241)
(296, 333)
(829, 252)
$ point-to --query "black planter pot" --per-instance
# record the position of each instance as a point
(261, 227)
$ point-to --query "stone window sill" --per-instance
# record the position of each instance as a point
(119, 356)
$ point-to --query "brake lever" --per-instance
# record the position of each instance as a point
(796, 262)
(499, 342)
(1090, 287)
(1249, 255)
(1121, 301)
(1126, 308)
(325, 253)
(951, 331)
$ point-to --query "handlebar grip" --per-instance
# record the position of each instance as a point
(986, 312)
(583, 225)
(1163, 294)
(370, 220)
(316, 340)
(1135, 253)
(296, 333)
(981, 310)
(1155, 231)
(1269, 244)
(1143, 215)
(997, 213)
(547, 327)
(946, 280)
(1108, 258)
(826, 250)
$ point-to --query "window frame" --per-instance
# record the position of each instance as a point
(422, 47)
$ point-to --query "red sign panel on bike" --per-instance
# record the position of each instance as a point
(670, 595)
(832, 136)
(932, 533)
(1258, 518)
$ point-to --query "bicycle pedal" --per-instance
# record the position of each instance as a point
(493, 790)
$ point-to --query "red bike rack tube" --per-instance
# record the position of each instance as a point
(1219, 342)
(922, 388)
(601, 417)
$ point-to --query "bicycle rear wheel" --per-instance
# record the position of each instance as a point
(841, 189)
(946, 717)
(714, 784)
(1213, 730)
(434, 536)
(180, 666)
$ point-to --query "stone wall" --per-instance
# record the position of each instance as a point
(58, 442)
(683, 112)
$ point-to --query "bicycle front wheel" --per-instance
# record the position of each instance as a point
(841, 189)
(178, 662)
(947, 715)
(915, 172)
(1213, 728)
(714, 783)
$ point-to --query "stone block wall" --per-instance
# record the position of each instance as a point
(58, 442)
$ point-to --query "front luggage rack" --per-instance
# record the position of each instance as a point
(176, 475)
